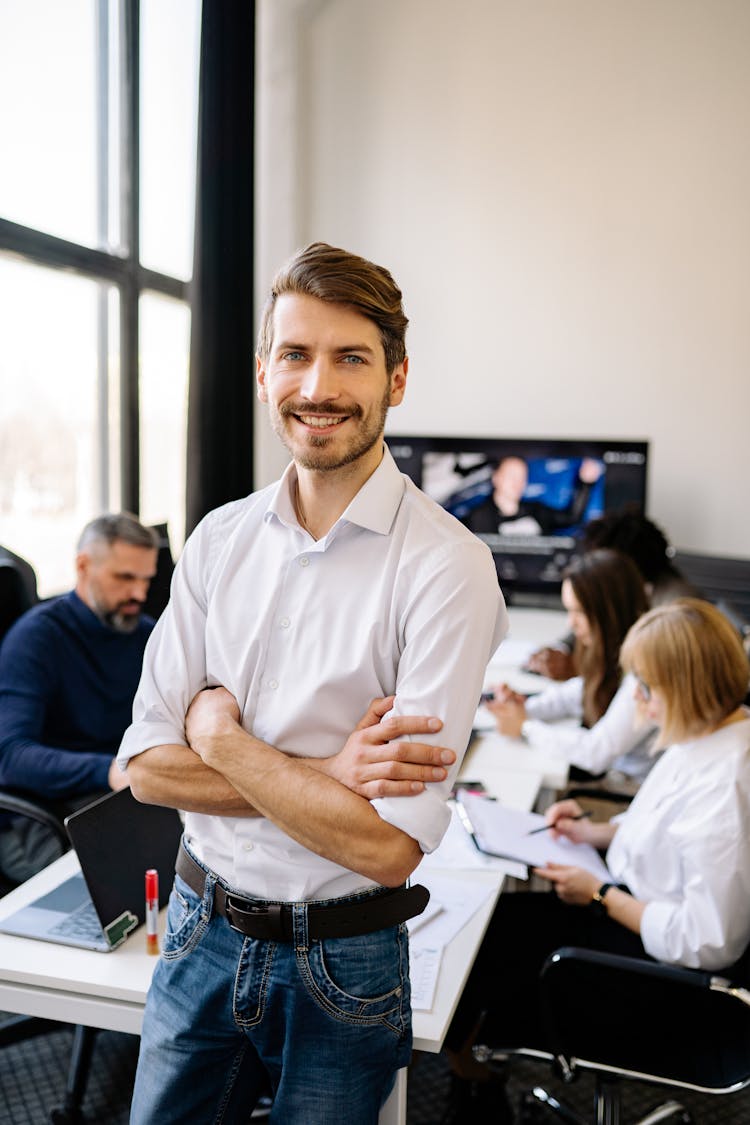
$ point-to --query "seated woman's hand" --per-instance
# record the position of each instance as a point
(552, 663)
(563, 819)
(510, 715)
(572, 884)
(502, 693)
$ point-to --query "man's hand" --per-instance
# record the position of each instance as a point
(572, 884)
(374, 763)
(212, 712)
(116, 778)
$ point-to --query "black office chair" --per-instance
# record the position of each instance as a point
(158, 591)
(625, 1018)
(17, 1028)
(14, 595)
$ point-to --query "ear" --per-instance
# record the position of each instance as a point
(398, 381)
(260, 379)
(83, 570)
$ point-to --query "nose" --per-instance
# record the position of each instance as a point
(139, 589)
(320, 382)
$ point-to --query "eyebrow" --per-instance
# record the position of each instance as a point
(345, 350)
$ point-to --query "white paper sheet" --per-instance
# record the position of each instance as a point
(453, 904)
(501, 831)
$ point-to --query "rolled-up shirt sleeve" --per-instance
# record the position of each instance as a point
(454, 621)
(174, 665)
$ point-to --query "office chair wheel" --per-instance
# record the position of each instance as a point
(62, 1116)
(539, 1107)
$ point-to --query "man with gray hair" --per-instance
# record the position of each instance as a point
(69, 668)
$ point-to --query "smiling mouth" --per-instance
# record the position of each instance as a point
(321, 421)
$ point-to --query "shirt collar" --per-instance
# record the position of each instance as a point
(374, 507)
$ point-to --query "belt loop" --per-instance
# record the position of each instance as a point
(207, 906)
(299, 925)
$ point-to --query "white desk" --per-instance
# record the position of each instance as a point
(529, 629)
(108, 990)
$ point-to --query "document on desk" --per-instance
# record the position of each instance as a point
(451, 906)
(500, 831)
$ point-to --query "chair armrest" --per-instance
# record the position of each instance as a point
(646, 1017)
(24, 806)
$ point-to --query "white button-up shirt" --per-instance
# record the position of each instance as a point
(398, 598)
(683, 847)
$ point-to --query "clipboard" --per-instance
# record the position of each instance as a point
(504, 832)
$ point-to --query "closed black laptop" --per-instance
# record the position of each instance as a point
(117, 839)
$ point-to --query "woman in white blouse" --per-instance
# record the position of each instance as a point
(604, 594)
(679, 856)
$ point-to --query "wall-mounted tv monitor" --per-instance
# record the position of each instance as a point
(527, 498)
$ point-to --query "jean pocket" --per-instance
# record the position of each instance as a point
(361, 980)
(185, 922)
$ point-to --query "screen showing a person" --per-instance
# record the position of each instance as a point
(527, 498)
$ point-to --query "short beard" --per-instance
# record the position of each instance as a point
(361, 443)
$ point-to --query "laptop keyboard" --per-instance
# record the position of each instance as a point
(83, 924)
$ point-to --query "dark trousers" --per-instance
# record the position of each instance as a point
(502, 989)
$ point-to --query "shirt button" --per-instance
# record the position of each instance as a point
(248, 847)
(273, 684)
(304, 561)
(285, 623)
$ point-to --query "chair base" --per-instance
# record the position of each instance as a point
(607, 1109)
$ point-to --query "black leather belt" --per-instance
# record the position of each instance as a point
(274, 921)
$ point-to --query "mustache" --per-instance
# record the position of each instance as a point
(305, 407)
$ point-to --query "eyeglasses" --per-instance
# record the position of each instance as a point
(643, 688)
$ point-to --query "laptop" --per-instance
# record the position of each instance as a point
(117, 839)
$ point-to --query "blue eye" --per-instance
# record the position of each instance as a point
(352, 359)
(292, 355)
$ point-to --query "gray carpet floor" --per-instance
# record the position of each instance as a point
(33, 1074)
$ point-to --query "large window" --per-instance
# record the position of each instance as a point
(98, 110)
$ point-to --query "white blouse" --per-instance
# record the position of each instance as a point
(620, 740)
(683, 847)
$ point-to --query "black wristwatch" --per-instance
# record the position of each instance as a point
(597, 899)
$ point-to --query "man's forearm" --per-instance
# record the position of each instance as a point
(51, 772)
(176, 777)
(314, 809)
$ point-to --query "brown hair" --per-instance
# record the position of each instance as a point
(610, 591)
(693, 656)
(342, 278)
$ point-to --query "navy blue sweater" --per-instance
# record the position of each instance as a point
(67, 683)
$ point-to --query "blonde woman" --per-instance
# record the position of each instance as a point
(679, 856)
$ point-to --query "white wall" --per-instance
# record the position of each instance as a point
(562, 189)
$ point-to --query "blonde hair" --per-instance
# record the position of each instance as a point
(335, 275)
(691, 654)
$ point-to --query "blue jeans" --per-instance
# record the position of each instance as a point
(329, 1022)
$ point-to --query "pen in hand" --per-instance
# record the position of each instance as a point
(546, 827)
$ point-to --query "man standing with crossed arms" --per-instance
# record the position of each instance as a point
(285, 954)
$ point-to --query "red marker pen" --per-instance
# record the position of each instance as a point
(152, 910)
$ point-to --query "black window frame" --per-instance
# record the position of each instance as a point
(122, 268)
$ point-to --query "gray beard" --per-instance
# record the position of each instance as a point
(119, 622)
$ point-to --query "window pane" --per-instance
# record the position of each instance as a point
(164, 358)
(170, 33)
(48, 100)
(50, 438)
